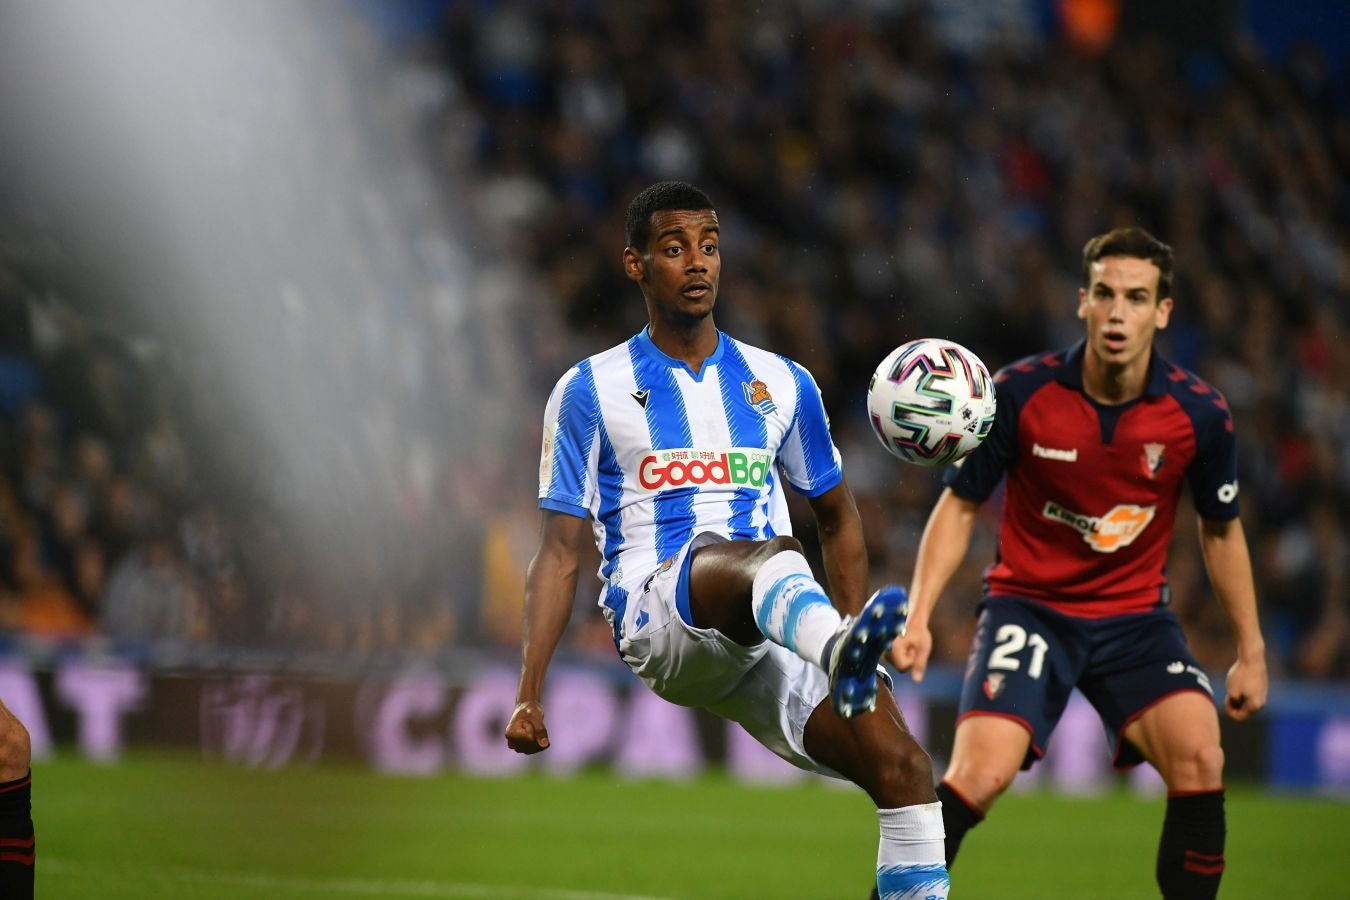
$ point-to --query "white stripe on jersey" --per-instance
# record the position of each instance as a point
(656, 455)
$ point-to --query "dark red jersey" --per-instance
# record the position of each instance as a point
(1092, 490)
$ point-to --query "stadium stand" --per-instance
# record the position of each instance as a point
(884, 175)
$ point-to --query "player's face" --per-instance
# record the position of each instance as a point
(680, 266)
(1122, 309)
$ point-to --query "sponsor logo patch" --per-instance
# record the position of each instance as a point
(1106, 533)
(546, 457)
(663, 470)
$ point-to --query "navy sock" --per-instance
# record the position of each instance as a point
(1190, 854)
(18, 848)
(958, 817)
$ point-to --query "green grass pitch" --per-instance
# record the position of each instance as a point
(170, 825)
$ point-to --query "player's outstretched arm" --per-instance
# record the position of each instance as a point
(946, 538)
(1224, 546)
(550, 584)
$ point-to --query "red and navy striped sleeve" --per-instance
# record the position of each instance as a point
(1213, 473)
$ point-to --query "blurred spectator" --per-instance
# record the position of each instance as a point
(46, 607)
(149, 597)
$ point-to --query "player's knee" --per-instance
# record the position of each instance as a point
(1194, 768)
(780, 543)
(980, 782)
(1199, 768)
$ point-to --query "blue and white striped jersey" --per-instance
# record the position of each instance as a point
(655, 454)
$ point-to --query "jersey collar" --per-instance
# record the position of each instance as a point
(644, 340)
(1070, 372)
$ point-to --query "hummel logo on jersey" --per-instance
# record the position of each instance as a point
(1108, 533)
(1176, 668)
(641, 397)
(641, 620)
(1052, 453)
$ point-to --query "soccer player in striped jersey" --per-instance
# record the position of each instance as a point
(1093, 444)
(672, 450)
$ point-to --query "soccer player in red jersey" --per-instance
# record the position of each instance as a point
(1095, 443)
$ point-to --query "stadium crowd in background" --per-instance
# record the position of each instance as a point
(883, 174)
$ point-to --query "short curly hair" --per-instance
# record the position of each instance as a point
(653, 199)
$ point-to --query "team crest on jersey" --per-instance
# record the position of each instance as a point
(1153, 458)
(993, 685)
(757, 395)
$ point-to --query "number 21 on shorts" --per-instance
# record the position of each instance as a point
(1011, 640)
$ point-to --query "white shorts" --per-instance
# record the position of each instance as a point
(769, 690)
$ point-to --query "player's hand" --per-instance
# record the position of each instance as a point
(1248, 685)
(525, 733)
(909, 652)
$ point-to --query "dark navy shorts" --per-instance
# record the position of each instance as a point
(1027, 659)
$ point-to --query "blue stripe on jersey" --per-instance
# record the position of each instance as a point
(747, 430)
(609, 487)
(668, 425)
(817, 448)
(578, 416)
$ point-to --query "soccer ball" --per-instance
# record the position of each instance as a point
(931, 402)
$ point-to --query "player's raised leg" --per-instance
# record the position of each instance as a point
(750, 591)
(17, 845)
(789, 607)
(1180, 737)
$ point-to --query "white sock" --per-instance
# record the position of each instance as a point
(910, 857)
(791, 607)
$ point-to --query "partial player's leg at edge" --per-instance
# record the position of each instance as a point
(18, 849)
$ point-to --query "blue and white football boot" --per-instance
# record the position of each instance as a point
(857, 647)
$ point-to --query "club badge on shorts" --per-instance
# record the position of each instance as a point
(993, 685)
